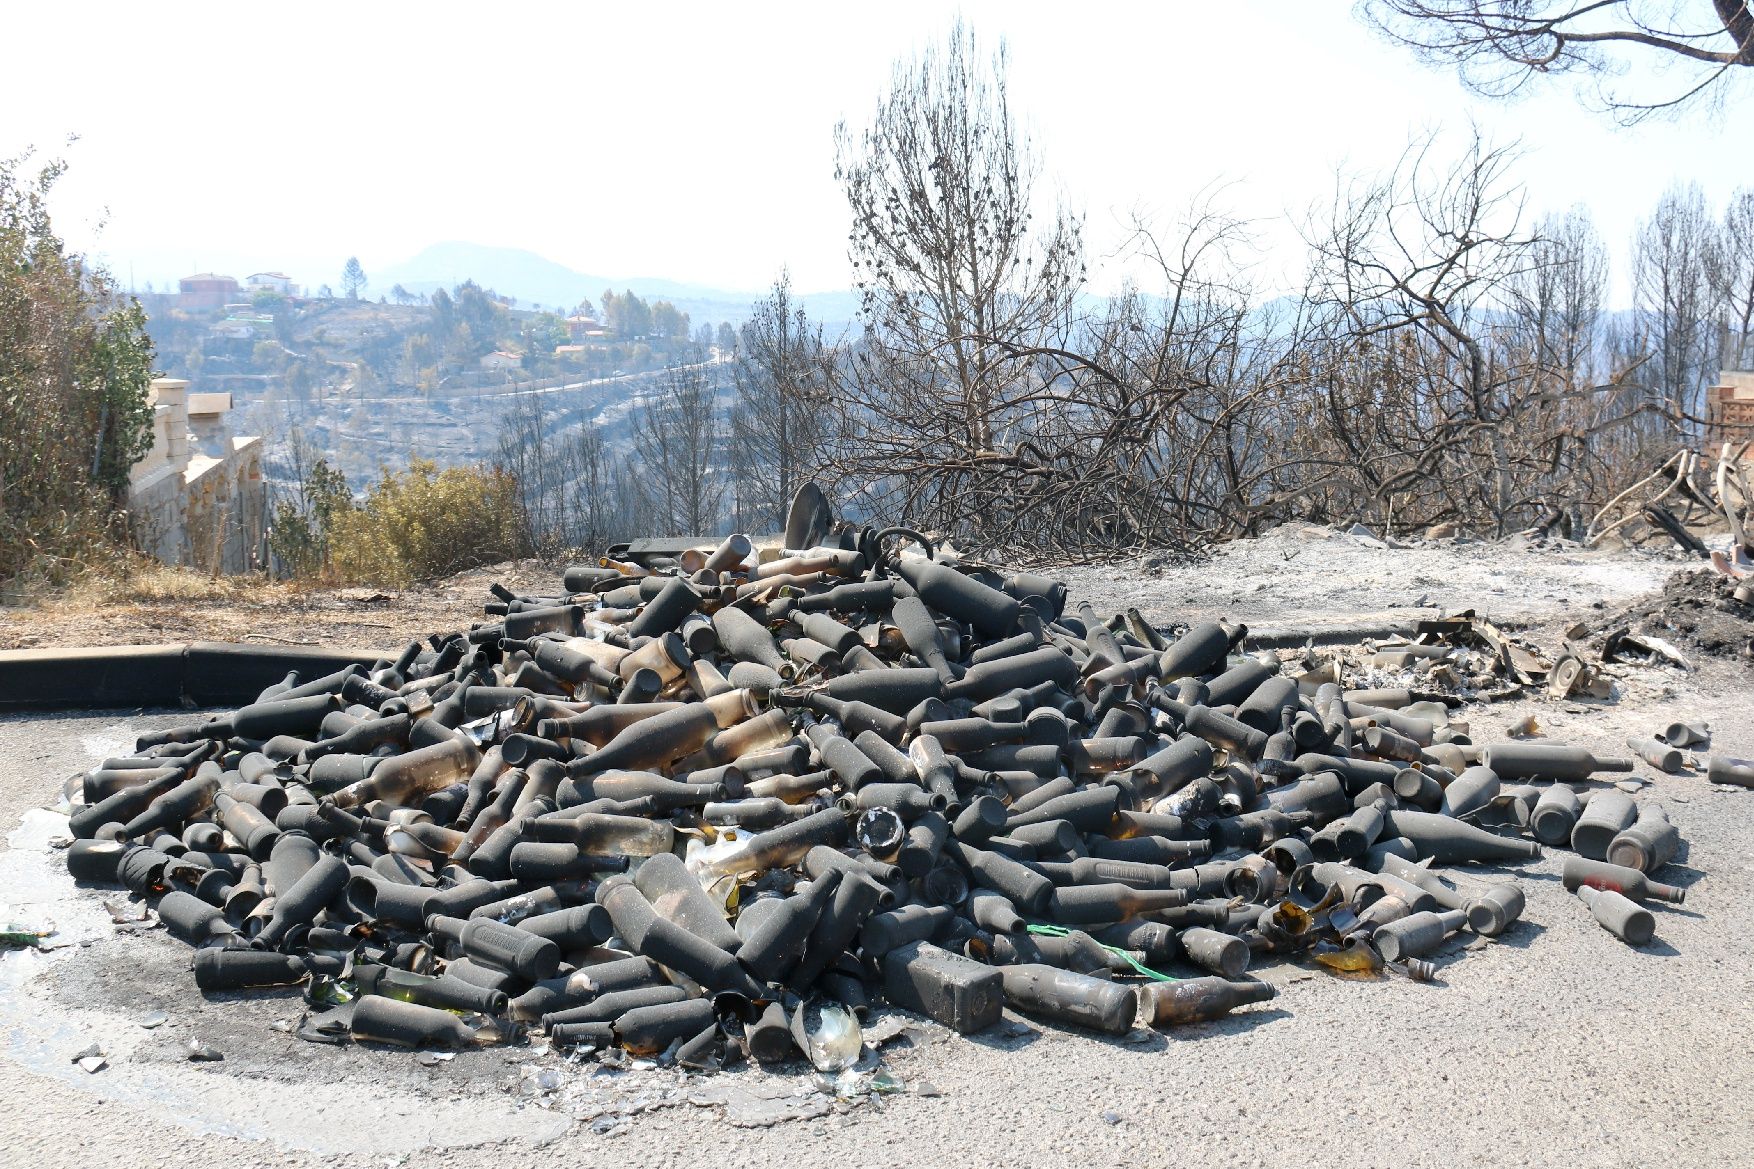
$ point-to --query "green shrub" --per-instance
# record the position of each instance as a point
(299, 534)
(424, 523)
(75, 367)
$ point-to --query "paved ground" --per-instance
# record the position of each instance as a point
(1558, 1045)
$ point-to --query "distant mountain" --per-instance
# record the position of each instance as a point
(537, 280)
(515, 272)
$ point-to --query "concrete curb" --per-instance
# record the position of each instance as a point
(199, 673)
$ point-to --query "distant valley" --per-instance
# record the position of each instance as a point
(535, 280)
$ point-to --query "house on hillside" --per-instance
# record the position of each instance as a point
(1729, 410)
(234, 328)
(241, 322)
(205, 290)
(581, 328)
(500, 361)
(269, 282)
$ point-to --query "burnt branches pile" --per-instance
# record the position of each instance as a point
(1442, 361)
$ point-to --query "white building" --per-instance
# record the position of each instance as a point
(269, 282)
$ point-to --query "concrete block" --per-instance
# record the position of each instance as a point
(958, 992)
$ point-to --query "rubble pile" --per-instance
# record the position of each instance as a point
(1454, 659)
(1708, 612)
(714, 802)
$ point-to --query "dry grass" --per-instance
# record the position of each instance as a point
(151, 582)
(141, 602)
(131, 578)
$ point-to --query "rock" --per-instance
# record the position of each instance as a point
(1365, 536)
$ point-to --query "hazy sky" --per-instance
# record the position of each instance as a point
(695, 141)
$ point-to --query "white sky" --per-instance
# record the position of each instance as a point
(694, 141)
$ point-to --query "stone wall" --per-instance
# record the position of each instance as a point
(198, 499)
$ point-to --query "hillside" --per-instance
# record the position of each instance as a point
(368, 385)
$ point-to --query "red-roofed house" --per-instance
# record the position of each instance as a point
(206, 290)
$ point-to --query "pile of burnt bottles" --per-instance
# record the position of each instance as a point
(698, 793)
